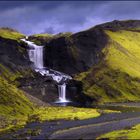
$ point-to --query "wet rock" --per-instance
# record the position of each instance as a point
(75, 93)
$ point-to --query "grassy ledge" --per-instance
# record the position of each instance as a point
(10, 34)
(66, 113)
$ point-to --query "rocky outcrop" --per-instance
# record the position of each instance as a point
(13, 54)
(43, 88)
(75, 93)
(75, 53)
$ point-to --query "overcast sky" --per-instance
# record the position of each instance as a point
(32, 17)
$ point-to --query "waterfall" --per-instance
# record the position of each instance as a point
(36, 56)
(62, 92)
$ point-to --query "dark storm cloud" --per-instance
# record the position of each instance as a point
(53, 17)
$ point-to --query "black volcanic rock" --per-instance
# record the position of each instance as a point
(75, 93)
(43, 88)
(13, 54)
(75, 53)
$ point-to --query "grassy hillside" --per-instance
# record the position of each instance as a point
(10, 34)
(14, 106)
(124, 51)
(117, 77)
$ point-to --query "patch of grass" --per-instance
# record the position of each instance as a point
(129, 133)
(66, 113)
(10, 34)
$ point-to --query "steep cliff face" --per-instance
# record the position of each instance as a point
(75, 53)
(14, 57)
(13, 53)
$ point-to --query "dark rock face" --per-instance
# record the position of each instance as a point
(43, 88)
(13, 54)
(58, 56)
(75, 53)
(75, 93)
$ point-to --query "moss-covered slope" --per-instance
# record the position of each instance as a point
(14, 105)
(116, 78)
(10, 34)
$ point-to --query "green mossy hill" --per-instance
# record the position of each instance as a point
(117, 77)
(10, 34)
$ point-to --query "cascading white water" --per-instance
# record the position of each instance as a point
(36, 56)
(62, 92)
